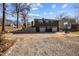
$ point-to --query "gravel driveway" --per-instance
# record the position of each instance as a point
(45, 45)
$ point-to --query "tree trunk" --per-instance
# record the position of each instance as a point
(3, 20)
(17, 14)
(17, 19)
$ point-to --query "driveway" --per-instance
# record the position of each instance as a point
(48, 44)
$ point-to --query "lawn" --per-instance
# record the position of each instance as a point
(9, 29)
(5, 45)
(76, 32)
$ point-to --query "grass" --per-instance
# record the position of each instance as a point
(75, 32)
(5, 45)
(9, 29)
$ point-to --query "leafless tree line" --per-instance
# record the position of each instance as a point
(18, 10)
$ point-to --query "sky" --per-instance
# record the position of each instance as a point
(50, 10)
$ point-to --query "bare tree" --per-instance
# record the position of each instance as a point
(61, 16)
(24, 18)
(24, 14)
(76, 10)
(15, 11)
(19, 9)
(3, 20)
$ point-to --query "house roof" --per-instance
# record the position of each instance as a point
(47, 19)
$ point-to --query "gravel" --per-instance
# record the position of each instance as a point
(45, 45)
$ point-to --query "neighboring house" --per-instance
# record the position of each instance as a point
(46, 25)
(75, 26)
(67, 20)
